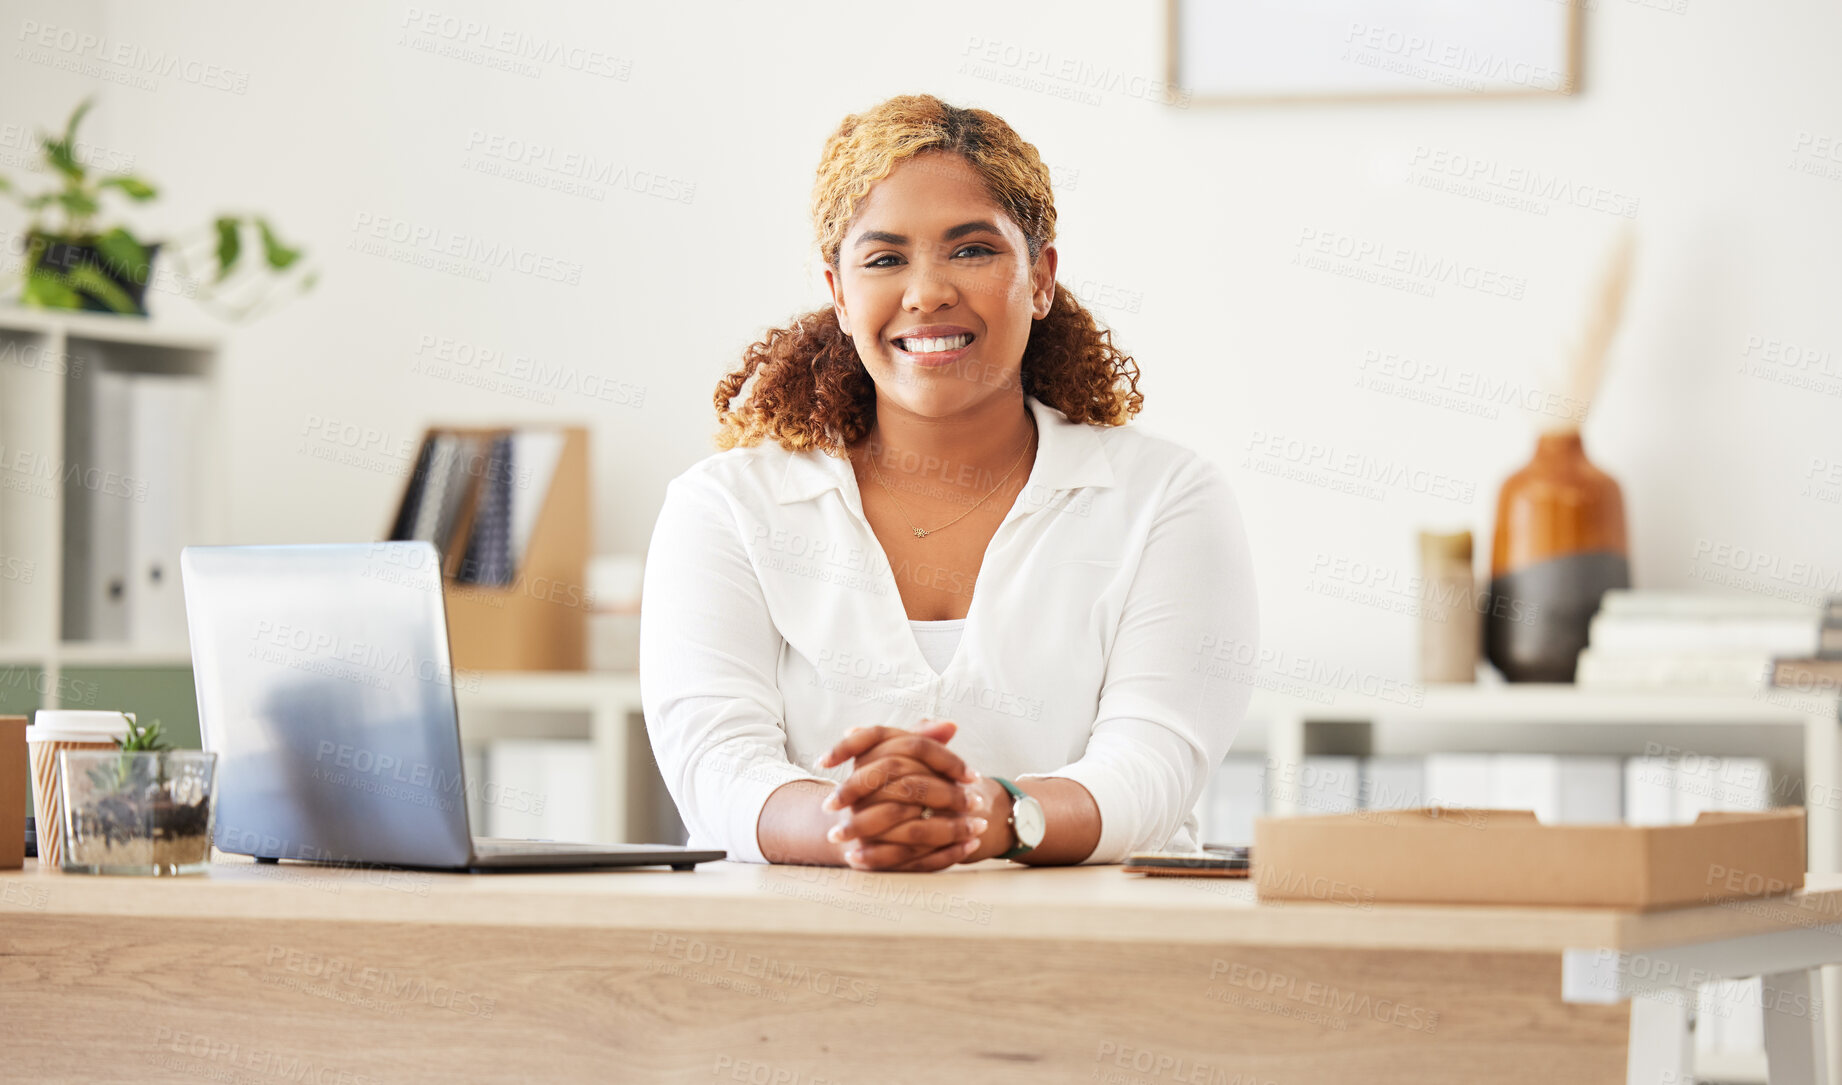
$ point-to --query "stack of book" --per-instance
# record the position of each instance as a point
(1696, 641)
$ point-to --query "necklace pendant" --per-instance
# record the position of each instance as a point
(920, 533)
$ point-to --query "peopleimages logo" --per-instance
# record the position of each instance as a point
(1325, 996)
(1358, 469)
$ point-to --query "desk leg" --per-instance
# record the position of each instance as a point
(1661, 1050)
(608, 729)
(1794, 1011)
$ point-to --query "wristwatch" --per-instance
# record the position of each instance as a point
(1027, 821)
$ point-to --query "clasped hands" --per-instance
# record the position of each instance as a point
(909, 804)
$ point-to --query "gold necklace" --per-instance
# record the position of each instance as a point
(924, 532)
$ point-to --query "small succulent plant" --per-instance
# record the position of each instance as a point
(141, 738)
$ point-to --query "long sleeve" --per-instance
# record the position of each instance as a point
(708, 657)
(1168, 710)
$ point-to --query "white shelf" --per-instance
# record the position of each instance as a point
(122, 655)
(1551, 704)
(108, 328)
(83, 654)
(43, 354)
(1524, 719)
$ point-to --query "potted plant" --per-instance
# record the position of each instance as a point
(144, 808)
(79, 262)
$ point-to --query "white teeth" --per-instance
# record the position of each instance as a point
(931, 346)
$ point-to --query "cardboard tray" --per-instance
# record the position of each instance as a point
(1448, 855)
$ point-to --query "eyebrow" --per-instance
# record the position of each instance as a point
(883, 237)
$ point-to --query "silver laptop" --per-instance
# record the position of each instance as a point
(326, 690)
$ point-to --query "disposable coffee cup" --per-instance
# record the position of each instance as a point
(59, 729)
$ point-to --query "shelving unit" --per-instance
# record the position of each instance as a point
(42, 356)
(605, 708)
(1800, 736)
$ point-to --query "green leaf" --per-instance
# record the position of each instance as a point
(132, 187)
(5, 185)
(47, 290)
(77, 203)
(123, 254)
(76, 118)
(90, 279)
(279, 255)
(229, 245)
(142, 737)
(63, 159)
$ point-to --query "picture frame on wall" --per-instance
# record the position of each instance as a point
(1254, 51)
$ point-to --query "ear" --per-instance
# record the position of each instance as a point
(837, 298)
(1042, 282)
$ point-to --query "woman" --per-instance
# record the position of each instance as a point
(937, 602)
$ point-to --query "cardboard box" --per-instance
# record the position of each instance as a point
(1449, 855)
(13, 798)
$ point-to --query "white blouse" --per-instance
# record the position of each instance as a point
(1107, 642)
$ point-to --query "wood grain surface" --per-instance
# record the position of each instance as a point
(800, 976)
(351, 1003)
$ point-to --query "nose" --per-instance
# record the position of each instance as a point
(929, 289)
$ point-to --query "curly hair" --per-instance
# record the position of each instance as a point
(811, 390)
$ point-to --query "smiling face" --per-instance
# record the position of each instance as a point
(936, 287)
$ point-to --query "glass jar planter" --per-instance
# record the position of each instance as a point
(143, 812)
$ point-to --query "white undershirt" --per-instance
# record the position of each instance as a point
(938, 640)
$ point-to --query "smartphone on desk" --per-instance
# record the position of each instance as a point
(1216, 861)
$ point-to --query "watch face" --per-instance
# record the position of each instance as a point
(1027, 817)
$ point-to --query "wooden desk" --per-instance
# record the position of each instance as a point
(803, 976)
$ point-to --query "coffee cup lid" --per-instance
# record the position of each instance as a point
(70, 725)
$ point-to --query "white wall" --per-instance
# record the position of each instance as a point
(1185, 220)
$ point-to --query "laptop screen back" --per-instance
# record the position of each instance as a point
(325, 687)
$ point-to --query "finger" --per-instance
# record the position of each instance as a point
(858, 739)
(870, 855)
(938, 730)
(863, 822)
(942, 795)
(870, 777)
(928, 751)
(939, 858)
(933, 832)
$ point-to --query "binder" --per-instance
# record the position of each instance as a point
(166, 417)
(133, 457)
(96, 521)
